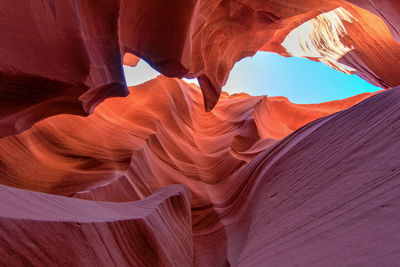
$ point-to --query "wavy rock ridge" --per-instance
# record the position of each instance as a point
(131, 147)
(313, 198)
(171, 130)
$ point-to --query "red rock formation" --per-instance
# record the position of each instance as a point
(80, 153)
(131, 147)
(211, 36)
(130, 60)
(328, 194)
(77, 48)
(60, 56)
(341, 39)
(272, 182)
(387, 10)
(46, 230)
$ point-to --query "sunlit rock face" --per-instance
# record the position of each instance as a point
(161, 123)
(386, 10)
(133, 146)
(78, 48)
(177, 175)
(220, 33)
(341, 39)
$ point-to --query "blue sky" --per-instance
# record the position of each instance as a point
(299, 79)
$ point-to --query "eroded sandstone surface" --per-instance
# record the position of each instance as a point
(66, 56)
(167, 173)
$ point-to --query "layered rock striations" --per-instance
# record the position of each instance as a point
(169, 177)
(328, 194)
(341, 39)
(56, 57)
(39, 229)
(133, 146)
(67, 154)
(65, 56)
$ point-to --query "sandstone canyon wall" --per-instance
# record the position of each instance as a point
(78, 46)
(177, 175)
(133, 146)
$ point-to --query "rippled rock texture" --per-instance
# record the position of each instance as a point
(134, 146)
(46, 230)
(177, 175)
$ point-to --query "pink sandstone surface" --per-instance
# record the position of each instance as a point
(179, 175)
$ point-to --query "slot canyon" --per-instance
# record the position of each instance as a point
(169, 172)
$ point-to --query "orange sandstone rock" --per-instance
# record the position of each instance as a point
(131, 147)
(65, 57)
